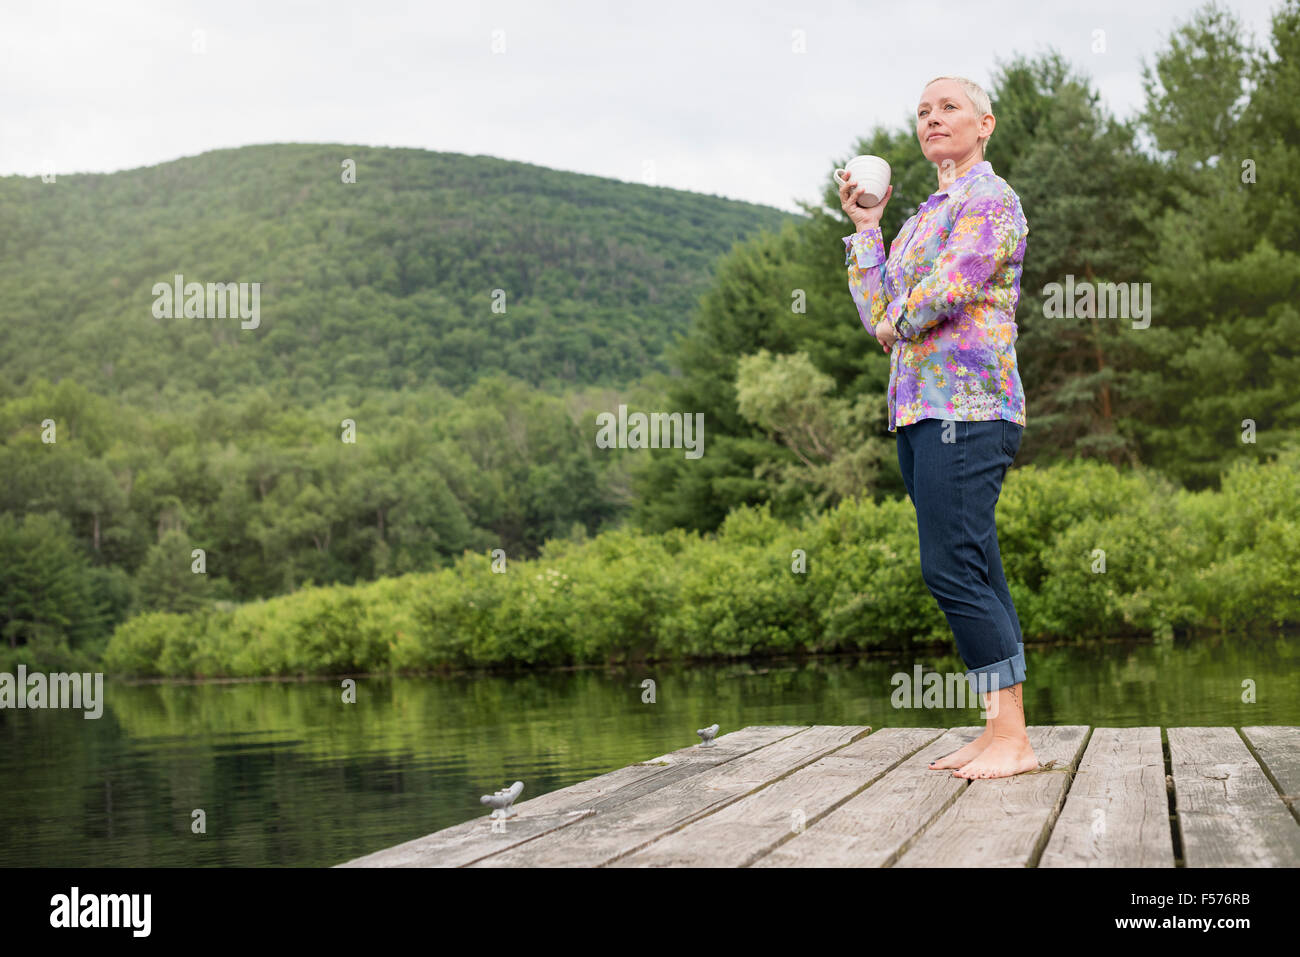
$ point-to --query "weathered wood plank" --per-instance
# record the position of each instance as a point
(751, 827)
(1229, 814)
(603, 837)
(872, 828)
(464, 843)
(1116, 813)
(1002, 822)
(1278, 750)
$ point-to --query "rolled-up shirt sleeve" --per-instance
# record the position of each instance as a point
(864, 255)
(982, 241)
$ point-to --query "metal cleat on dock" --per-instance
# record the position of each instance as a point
(707, 735)
(501, 801)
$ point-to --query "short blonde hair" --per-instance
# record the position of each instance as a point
(978, 98)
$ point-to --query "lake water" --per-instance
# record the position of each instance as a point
(288, 774)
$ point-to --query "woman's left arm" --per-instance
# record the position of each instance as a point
(985, 237)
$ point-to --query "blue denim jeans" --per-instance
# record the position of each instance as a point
(953, 472)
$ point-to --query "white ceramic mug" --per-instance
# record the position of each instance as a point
(870, 172)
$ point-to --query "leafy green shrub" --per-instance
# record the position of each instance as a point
(1172, 560)
(138, 643)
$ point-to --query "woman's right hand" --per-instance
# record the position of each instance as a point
(861, 216)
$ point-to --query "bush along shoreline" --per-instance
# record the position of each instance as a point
(1089, 551)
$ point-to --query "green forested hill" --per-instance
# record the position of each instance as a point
(386, 282)
(129, 441)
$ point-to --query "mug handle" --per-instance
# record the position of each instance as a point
(837, 175)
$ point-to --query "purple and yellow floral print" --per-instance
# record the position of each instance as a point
(950, 288)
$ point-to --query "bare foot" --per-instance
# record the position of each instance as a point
(1003, 758)
(965, 754)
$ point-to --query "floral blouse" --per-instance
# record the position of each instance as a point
(950, 288)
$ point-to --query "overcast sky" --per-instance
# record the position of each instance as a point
(749, 100)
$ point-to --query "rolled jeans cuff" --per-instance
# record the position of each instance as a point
(999, 675)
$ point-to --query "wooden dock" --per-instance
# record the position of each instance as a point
(828, 796)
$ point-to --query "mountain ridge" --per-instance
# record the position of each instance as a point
(431, 268)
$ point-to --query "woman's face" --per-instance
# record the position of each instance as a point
(947, 125)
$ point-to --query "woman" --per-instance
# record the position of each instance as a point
(943, 306)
